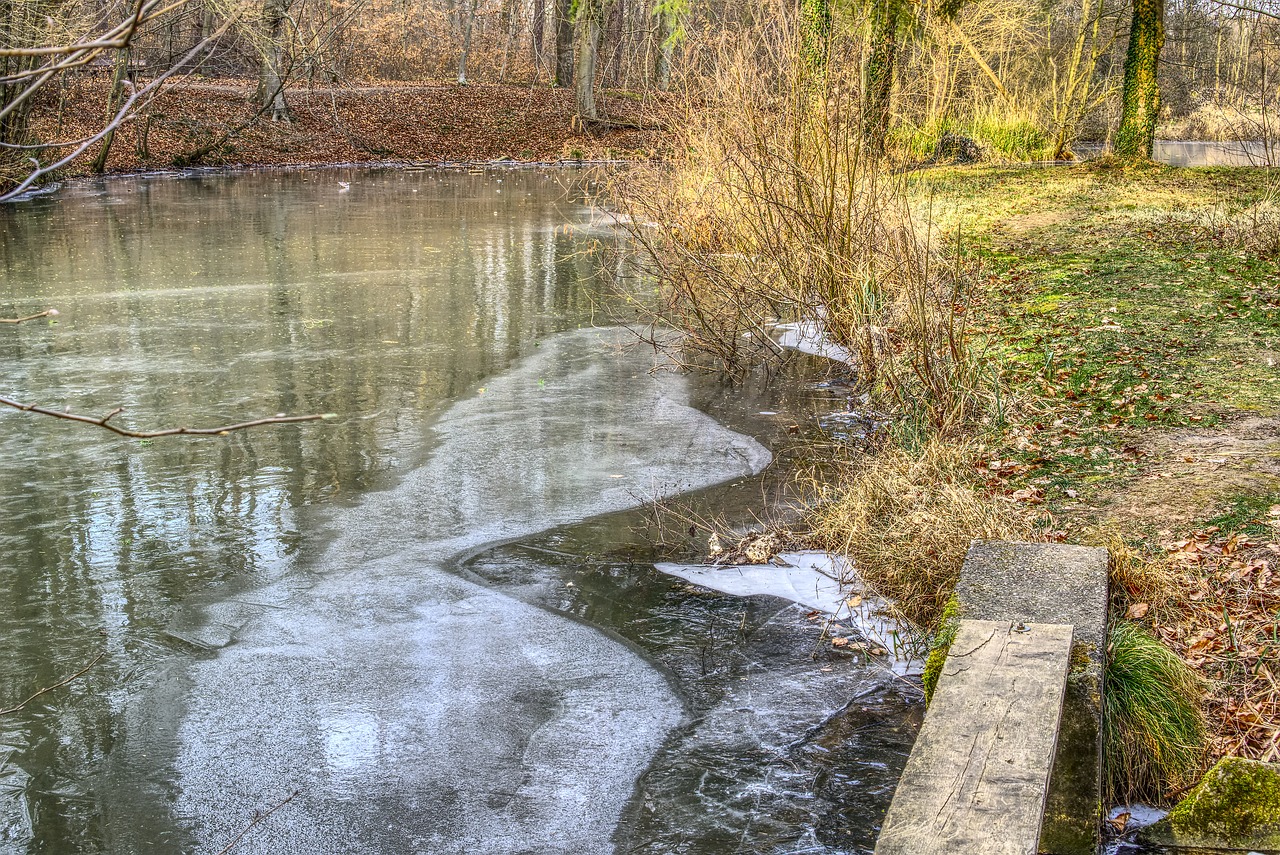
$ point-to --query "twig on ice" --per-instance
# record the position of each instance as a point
(104, 422)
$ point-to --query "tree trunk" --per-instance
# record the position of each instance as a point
(815, 37)
(469, 13)
(666, 35)
(511, 18)
(114, 97)
(590, 18)
(564, 43)
(1141, 94)
(536, 26)
(271, 84)
(877, 101)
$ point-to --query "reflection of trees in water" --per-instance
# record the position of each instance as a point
(186, 301)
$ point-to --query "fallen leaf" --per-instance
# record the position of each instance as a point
(1031, 495)
(1137, 611)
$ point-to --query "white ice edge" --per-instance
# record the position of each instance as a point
(810, 337)
(811, 578)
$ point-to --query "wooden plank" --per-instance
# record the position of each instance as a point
(976, 780)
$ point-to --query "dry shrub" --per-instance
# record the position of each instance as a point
(1254, 228)
(770, 211)
(907, 518)
(1134, 577)
(1222, 123)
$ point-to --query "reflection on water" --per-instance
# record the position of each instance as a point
(202, 301)
(284, 608)
(1194, 153)
(1199, 152)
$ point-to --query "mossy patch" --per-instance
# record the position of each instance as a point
(1235, 806)
(948, 623)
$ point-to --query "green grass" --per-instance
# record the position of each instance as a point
(1248, 515)
(1002, 138)
(1153, 731)
(1104, 314)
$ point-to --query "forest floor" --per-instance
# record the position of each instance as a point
(1135, 318)
(207, 123)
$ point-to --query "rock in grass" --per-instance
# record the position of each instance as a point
(1235, 806)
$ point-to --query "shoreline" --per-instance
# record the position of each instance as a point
(80, 179)
(198, 125)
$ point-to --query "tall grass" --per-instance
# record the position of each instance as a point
(1010, 136)
(1153, 730)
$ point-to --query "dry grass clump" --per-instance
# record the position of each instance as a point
(1254, 228)
(907, 518)
(1133, 578)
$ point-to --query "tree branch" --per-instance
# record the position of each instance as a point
(104, 422)
(258, 816)
(47, 313)
(1247, 7)
(123, 113)
(57, 685)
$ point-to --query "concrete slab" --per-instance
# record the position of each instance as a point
(1055, 583)
(977, 778)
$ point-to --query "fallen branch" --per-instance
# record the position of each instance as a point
(58, 685)
(105, 422)
(47, 313)
(258, 816)
(581, 124)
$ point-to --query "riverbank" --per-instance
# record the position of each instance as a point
(1133, 316)
(206, 123)
(1129, 314)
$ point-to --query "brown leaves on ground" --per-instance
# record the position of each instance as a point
(1223, 619)
(437, 122)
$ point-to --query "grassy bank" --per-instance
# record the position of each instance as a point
(1086, 354)
(1133, 316)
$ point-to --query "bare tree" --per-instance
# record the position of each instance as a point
(589, 21)
(564, 43)
(468, 21)
(31, 67)
(275, 18)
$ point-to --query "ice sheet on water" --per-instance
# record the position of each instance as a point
(418, 711)
(810, 337)
(822, 581)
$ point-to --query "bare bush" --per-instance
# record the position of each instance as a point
(771, 212)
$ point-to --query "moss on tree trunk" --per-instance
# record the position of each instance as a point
(815, 37)
(1141, 96)
(882, 59)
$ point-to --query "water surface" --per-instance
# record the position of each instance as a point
(330, 609)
